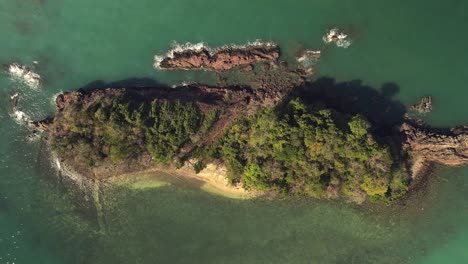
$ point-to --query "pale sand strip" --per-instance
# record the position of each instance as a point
(213, 180)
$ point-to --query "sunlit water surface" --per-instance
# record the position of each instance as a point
(418, 46)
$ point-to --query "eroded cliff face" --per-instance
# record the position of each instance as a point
(424, 147)
(221, 60)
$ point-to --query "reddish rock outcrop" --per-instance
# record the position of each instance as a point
(247, 68)
(43, 125)
(62, 100)
(424, 146)
(221, 60)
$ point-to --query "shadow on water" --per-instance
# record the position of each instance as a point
(126, 83)
(353, 97)
(4, 208)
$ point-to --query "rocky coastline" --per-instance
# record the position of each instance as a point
(426, 147)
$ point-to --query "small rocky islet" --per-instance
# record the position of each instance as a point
(222, 59)
(268, 139)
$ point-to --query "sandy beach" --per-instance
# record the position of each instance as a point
(211, 179)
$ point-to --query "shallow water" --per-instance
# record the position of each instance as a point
(417, 46)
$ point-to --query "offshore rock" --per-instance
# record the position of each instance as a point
(424, 106)
(337, 37)
(223, 59)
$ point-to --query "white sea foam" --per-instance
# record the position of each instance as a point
(182, 84)
(344, 43)
(24, 119)
(53, 99)
(177, 48)
(157, 61)
(250, 44)
(308, 60)
(336, 36)
(309, 55)
(21, 118)
(188, 46)
(58, 164)
(24, 75)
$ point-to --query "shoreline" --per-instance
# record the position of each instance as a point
(211, 181)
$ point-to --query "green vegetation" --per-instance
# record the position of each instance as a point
(117, 128)
(318, 153)
(293, 149)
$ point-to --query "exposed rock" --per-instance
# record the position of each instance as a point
(247, 68)
(424, 146)
(424, 106)
(309, 56)
(220, 60)
(62, 100)
(82, 97)
(460, 130)
(43, 125)
(307, 59)
(340, 39)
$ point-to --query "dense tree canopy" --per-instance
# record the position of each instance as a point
(305, 152)
(118, 129)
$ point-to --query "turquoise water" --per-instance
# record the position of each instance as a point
(418, 46)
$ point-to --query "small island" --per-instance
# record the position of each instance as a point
(267, 140)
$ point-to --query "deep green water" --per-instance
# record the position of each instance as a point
(418, 46)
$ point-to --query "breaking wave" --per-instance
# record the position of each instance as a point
(338, 37)
(22, 118)
(308, 59)
(309, 55)
(24, 74)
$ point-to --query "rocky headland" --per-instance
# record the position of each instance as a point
(425, 147)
